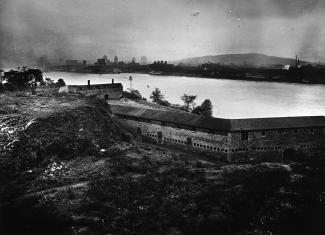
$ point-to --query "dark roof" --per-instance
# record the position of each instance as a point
(181, 118)
(97, 86)
(277, 123)
(220, 124)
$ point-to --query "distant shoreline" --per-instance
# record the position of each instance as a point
(240, 78)
(251, 79)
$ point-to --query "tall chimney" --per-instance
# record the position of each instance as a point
(88, 83)
(113, 81)
(296, 61)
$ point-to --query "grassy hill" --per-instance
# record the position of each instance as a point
(67, 166)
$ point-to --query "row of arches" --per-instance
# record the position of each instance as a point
(160, 137)
(287, 153)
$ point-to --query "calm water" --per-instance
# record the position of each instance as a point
(230, 98)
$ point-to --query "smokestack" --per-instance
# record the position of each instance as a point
(88, 83)
(296, 61)
(113, 81)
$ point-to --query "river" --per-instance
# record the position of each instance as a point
(230, 98)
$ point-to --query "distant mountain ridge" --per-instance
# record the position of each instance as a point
(249, 59)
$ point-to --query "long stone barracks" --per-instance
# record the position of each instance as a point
(231, 139)
(102, 91)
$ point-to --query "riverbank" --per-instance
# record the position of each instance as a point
(68, 166)
(245, 78)
(294, 76)
(230, 98)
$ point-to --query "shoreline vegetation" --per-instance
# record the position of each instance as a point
(69, 166)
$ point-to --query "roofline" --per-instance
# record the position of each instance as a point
(280, 128)
(177, 123)
(235, 119)
(118, 83)
(228, 127)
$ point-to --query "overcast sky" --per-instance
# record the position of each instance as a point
(163, 29)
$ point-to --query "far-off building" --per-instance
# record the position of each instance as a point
(161, 66)
(102, 91)
(231, 139)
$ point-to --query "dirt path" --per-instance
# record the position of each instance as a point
(55, 190)
(186, 155)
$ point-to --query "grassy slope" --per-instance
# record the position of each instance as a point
(68, 167)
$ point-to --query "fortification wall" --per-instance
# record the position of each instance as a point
(101, 93)
(212, 144)
(259, 145)
(274, 142)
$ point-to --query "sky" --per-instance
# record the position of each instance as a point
(160, 29)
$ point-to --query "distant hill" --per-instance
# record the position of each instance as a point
(251, 59)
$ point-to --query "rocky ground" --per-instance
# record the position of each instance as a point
(67, 166)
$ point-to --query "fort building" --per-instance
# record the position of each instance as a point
(102, 91)
(231, 139)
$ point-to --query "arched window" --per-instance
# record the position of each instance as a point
(159, 137)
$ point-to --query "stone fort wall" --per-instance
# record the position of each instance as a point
(212, 144)
(275, 142)
(267, 145)
(103, 93)
(107, 93)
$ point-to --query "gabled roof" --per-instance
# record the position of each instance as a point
(180, 118)
(277, 123)
(96, 86)
(220, 124)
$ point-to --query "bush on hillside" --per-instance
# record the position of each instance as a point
(22, 79)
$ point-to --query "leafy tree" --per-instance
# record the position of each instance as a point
(157, 96)
(49, 82)
(164, 103)
(197, 110)
(136, 93)
(188, 101)
(60, 82)
(205, 109)
(23, 78)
